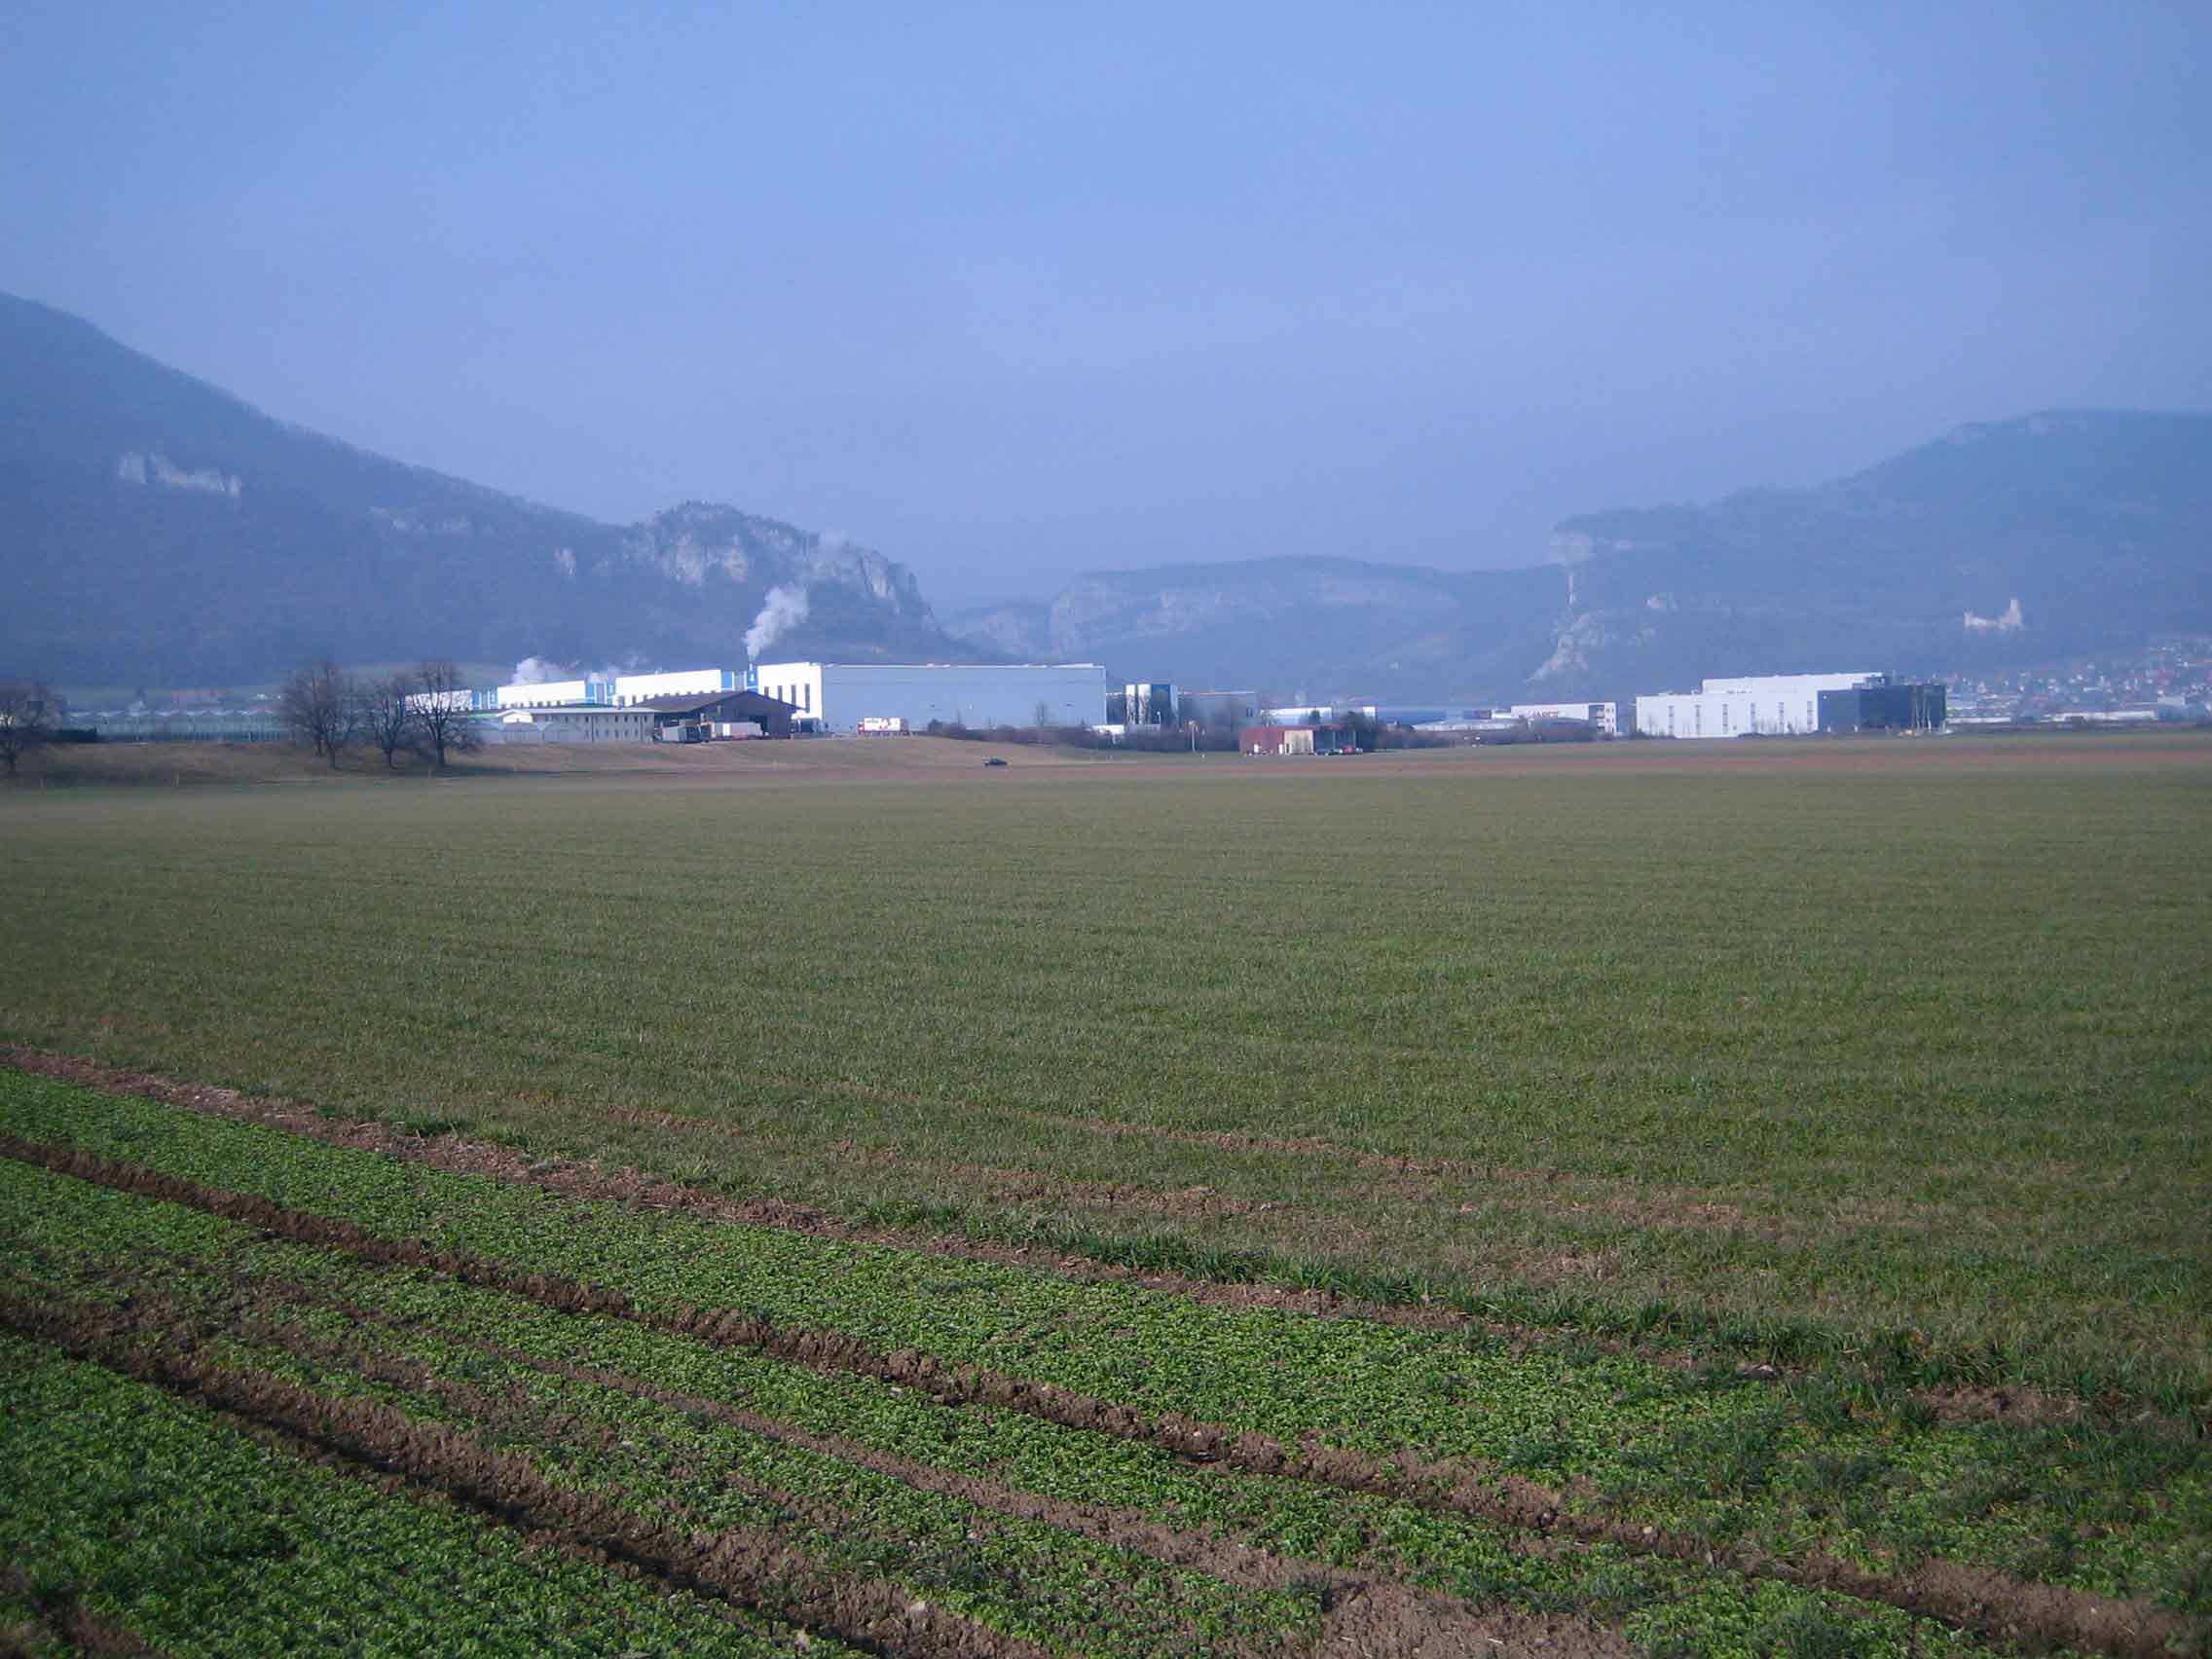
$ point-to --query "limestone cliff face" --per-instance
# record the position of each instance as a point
(700, 543)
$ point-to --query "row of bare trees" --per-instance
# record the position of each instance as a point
(416, 711)
(28, 714)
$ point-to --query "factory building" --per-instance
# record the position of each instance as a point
(1150, 703)
(617, 691)
(700, 716)
(1910, 706)
(632, 688)
(577, 723)
(1606, 716)
(839, 696)
(1295, 740)
(1791, 705)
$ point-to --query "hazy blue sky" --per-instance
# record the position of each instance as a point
(1015, 291)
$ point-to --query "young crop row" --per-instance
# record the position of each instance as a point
(134, 1509)
(395, 1335)
(689, 1471)
(680, 1471)
(1792, 1475)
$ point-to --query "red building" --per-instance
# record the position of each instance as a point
(1295, 740)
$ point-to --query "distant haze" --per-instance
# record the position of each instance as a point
(1012, 292)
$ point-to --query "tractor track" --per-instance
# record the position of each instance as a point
(2010, 1610)
(748, 1570)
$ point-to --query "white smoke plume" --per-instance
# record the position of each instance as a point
(785, 609)
(543, 671)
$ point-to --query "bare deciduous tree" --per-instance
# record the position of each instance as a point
(28, 712)
(441, 707)
(320, 705)
(389, 720)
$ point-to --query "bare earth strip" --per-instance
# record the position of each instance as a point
(1987, 1603)
(70, 1625)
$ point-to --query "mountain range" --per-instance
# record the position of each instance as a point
(2018, 541)
(156, 529)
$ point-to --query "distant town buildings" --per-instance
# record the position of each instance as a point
(2170, 679)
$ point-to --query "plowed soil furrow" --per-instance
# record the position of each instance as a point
(398, 1484)
(458, 1156)
(749, 1570)
(510, 1415)
(1355, 1600)
(1364, 1613)
(1123, 1529)
(69, 1622)
(1974, 1598)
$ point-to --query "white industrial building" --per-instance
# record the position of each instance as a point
(687, 683)
(841, 694)
(618, 690)
(1606, 716)
(1772, 705)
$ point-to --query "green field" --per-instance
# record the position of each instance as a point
(1767, 1187)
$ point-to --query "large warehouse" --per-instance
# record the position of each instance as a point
(839, 696)
(1791, 705)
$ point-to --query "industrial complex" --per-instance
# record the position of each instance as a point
(837, 696)
(778, 699)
